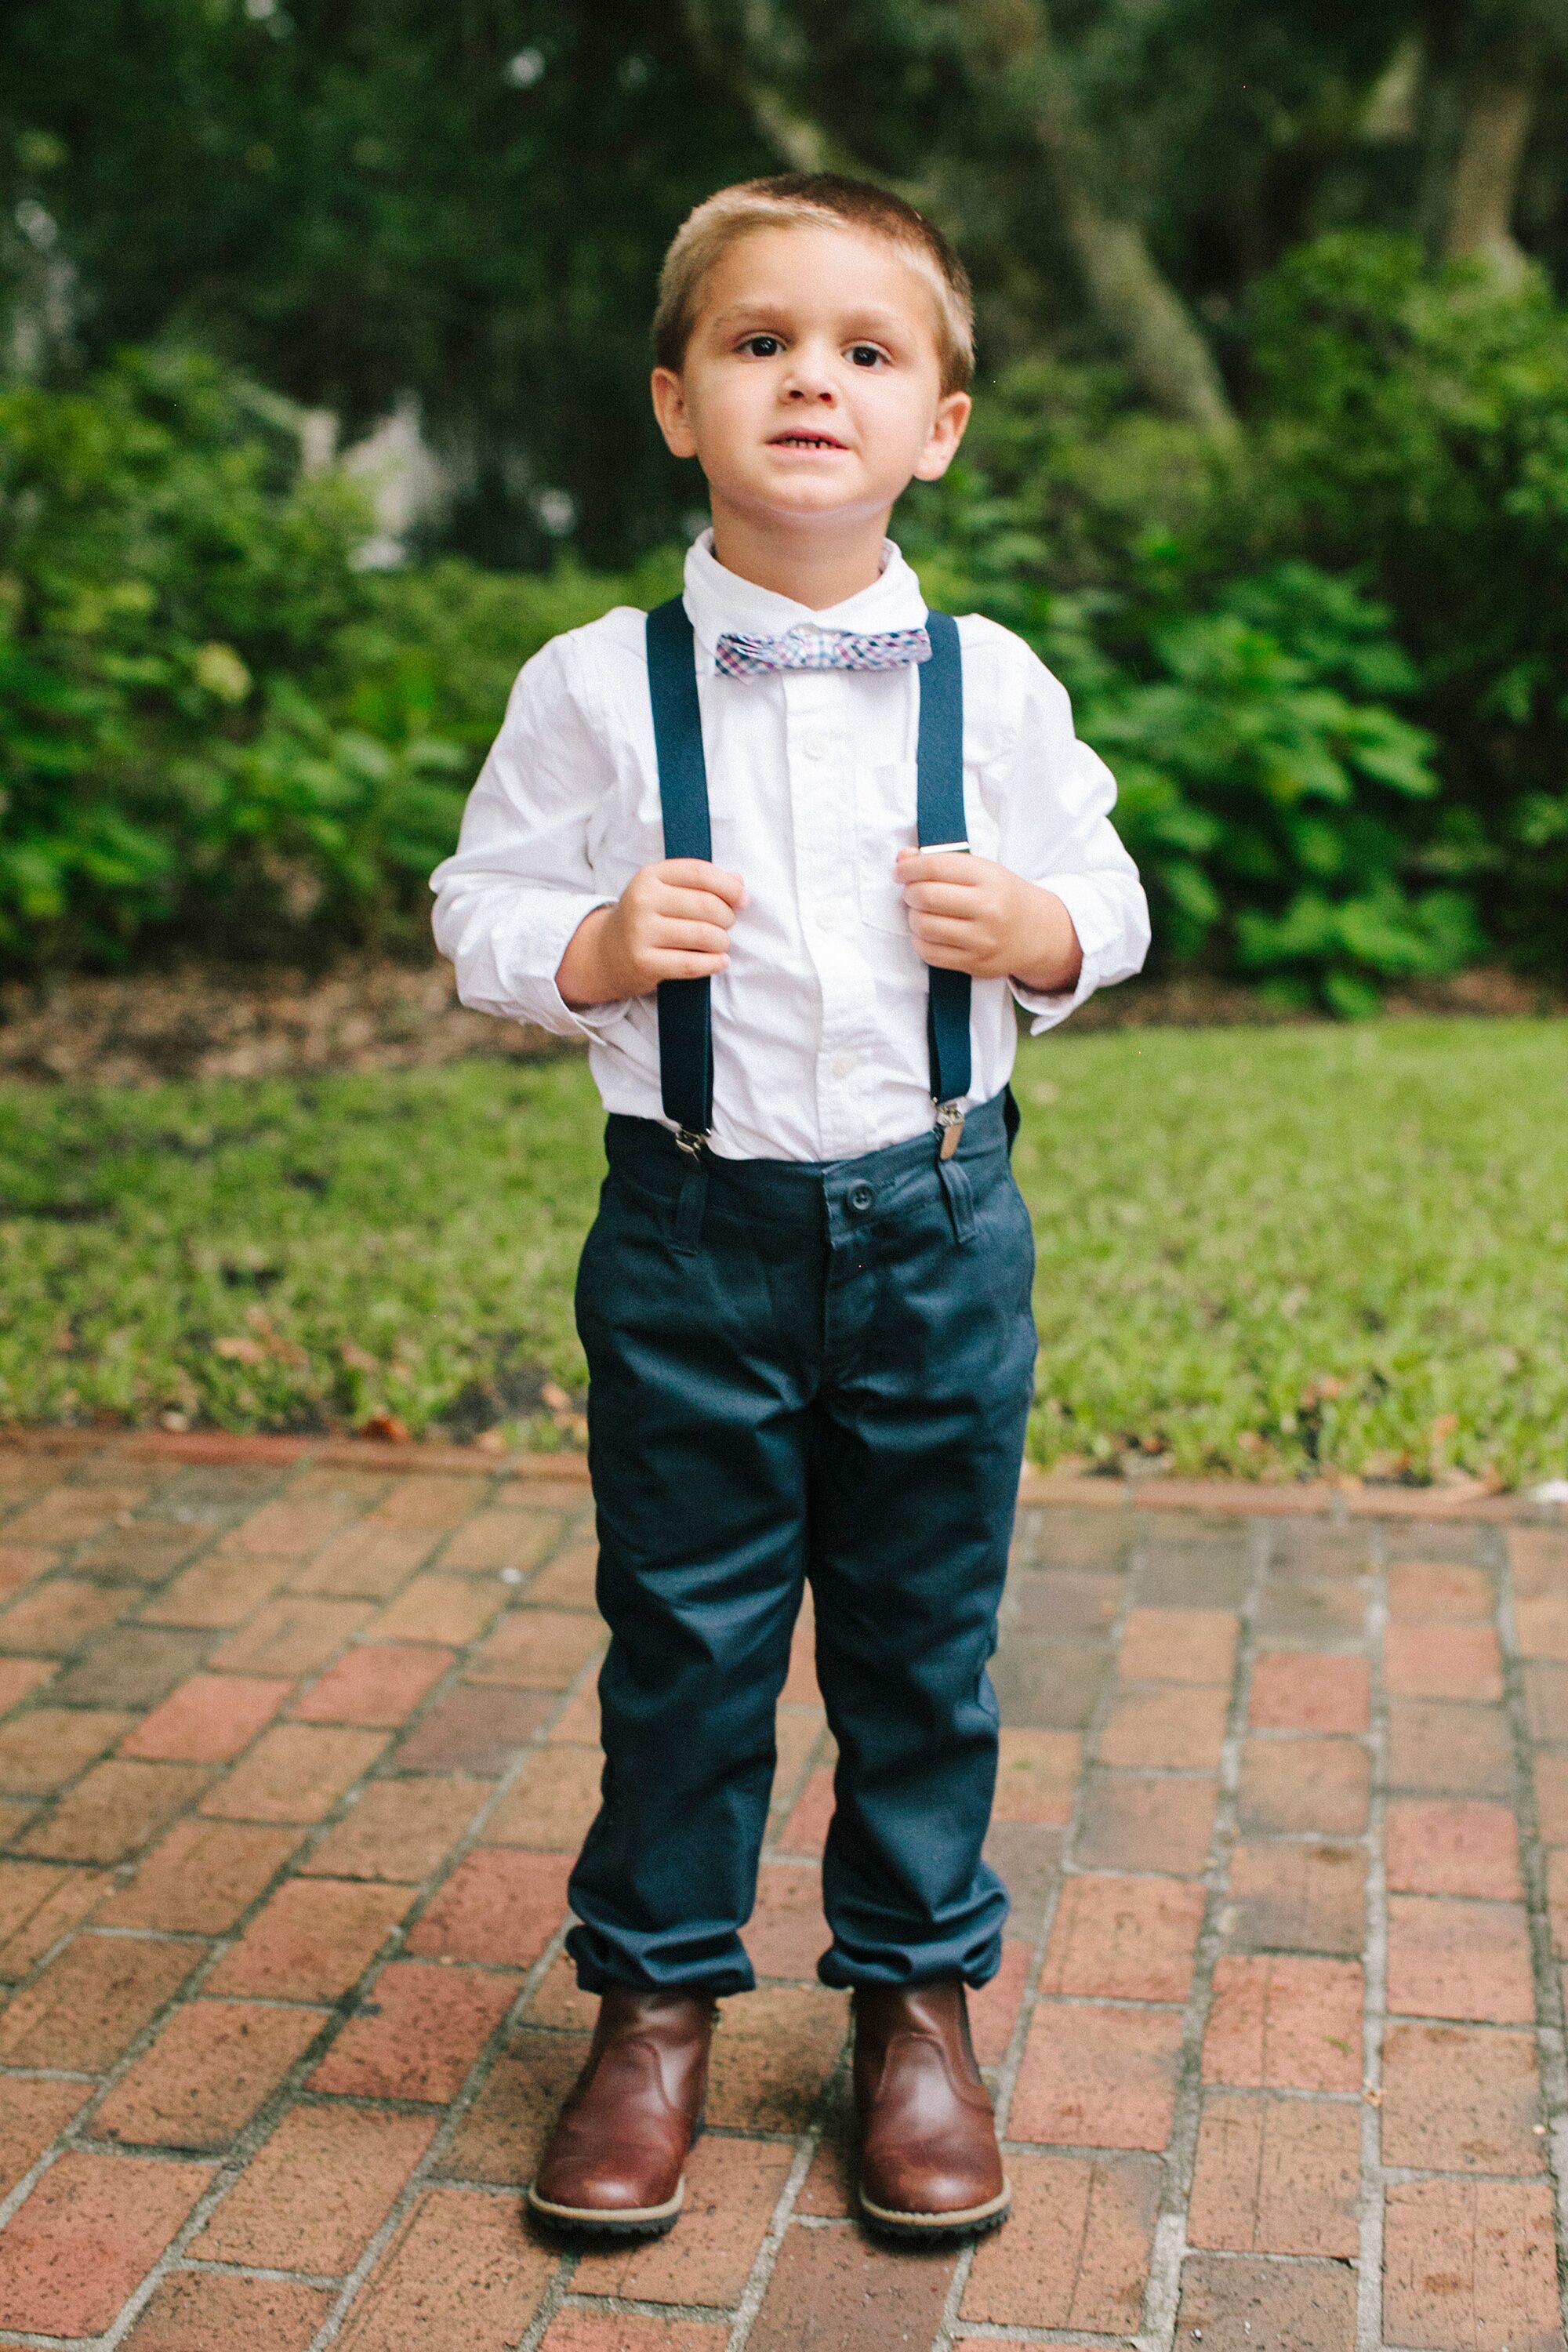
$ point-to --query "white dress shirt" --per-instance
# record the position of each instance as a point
(819, 1022)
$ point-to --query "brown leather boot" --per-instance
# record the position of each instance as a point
(929, 2157)
(617, 2159)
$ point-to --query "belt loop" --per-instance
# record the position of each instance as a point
(690, 1204)
(953, 1178)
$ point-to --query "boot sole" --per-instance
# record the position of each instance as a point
(588, 2220)
(971, 2220)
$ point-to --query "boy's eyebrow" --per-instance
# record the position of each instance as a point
(875, 320)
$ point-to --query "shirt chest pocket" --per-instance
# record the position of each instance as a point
(885, 803)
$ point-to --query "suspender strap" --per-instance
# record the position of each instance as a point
(685, 1027)
(941, 820)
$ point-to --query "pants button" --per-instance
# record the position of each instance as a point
(859, 1198)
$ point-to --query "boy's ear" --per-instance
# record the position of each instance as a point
(953, 413)
(670, 407)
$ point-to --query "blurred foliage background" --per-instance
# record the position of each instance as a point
(1271, 461)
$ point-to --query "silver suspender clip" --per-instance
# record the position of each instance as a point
(950, 1127)
(687, 1139)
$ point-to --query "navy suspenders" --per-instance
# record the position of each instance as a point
(685, 1024)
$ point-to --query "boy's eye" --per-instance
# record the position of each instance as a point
(866, 355)
(762, 347)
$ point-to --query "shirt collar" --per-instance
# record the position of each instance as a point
(718, 600)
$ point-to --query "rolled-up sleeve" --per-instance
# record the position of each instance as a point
(520, 882)
(1056, 832)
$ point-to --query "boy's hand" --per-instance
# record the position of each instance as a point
(670, 922)
(968, 914)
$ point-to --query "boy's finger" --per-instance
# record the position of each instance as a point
(701, 874)
(941, 898)
(675, 963)
(702, 939)
(687, 906)
(936, 865)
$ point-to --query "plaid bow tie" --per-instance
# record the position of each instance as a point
(807, 647)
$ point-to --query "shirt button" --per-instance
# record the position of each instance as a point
(815, 746)
(859, 1198)
(842, 1065)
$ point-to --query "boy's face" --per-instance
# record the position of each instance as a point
(811, 389)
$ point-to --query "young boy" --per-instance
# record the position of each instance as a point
(805, 1300)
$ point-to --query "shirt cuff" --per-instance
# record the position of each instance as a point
(1097, 932)
(548, 942)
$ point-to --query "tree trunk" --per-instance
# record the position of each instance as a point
(1485, 185)
(1127, 290)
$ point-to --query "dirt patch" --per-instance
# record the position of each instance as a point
(368, 1013)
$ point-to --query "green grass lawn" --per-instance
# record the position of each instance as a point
(1260, 1250)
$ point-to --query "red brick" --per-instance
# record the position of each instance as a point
(295, 1634)
(805, 1832)
(568, 1582)
(1452, 1847)
(209, 2070)
(1438, 1592)
(33, 2113)
(1442, 1662)
(556, 1999)
(290, 1529)
(56, 1617)
(209, 1719)
(15, 1812)
(838, 2291)
(1277, 2176)
(428, 1501)
(1300, 1616)
(491, 1540)
(1435, 1745)
(1304, 1784)
(376, 1682)
(209, 2311)
(1309, 1690)
(1137, 1821)
(21, 1565)
(771, 2055)
(1281, 2024)
(94, 1997)
(1460, 1960)
(19, 1678)
(1541, 1625)
(501, 2136)
(499, 1905)
(454, 1610)
(797, 1733)
(1538, 1557)
(1123, 1939)
(581, 2329)
(419, 2032)
(1552, 1799)
(1557, 1900)
(217, 1593)
(131, 1665)
(314, 1940)
(315, 2195)
(1173, 1730)
(1303, 1898)
(368, 1563)
(993, 2009)
(87, 2236)
(1457, 2099)
(1178, 1645)
(539, 1649)
(1097, 2077)
(800, 1683)
(476, 1730)
(71, 1515)
(731, 2189)
(295, 1772)
(550, 1805)
(1076, 2252)
(580, 1718)
(397, 1830)
(1469, 2264)
(40, 1902)
(1546, 1701)
(118, 1809)
(459, 2272)
(145, 1553)
(1254, 2305)
(201, 1878)
(786, 1932)
(41, 1750)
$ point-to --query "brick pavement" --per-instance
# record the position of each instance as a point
(293, 1758)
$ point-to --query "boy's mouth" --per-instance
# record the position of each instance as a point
(806, 441)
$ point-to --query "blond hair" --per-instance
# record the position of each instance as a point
(785, 201)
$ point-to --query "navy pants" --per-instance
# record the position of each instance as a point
(814, 1370)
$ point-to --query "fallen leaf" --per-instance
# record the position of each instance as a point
(240, 1351)
(358, 1358)
(387, 1426)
